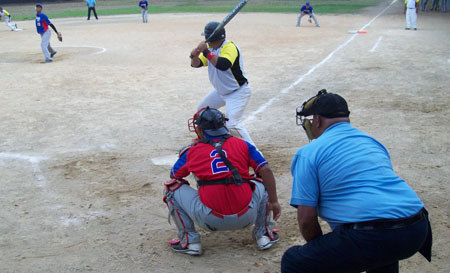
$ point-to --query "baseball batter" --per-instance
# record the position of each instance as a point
(143, 4)
(228, 197)
(5, 14)
(411, 10)
(307, 9)
(42, 24)
(226, 74)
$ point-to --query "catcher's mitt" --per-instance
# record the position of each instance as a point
(60, 36)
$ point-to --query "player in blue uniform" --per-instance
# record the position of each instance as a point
(144, 10)
(307, 9)
(42, 24)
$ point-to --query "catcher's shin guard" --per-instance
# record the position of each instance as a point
(185, 225)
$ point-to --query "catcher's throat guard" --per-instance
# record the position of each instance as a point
(306, 110)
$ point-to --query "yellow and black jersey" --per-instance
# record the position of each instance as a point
(228, 75)
(5, 13)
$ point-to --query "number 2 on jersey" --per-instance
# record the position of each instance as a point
(217, 165)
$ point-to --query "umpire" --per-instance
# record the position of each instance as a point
(345, 177)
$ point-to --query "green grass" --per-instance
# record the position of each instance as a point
(116, 7)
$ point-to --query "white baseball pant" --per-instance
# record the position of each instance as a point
(411, 18)
(235, 104)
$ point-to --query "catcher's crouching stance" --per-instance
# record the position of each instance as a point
(228, 197)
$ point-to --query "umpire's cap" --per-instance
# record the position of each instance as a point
(325, 104)
(209, 29)
(212, 122)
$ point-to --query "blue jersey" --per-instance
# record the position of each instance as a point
(90, 3)
(143, 4)
(42, 23)
(307, 10)
(348, 176)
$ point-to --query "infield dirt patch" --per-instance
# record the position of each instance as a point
(79, 189)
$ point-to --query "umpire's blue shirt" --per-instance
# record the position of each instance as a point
(348, 176)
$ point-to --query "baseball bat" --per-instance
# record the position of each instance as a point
(228, 18)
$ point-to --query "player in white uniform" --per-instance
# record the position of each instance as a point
(226, 74)
(5, 14)
(411, 10)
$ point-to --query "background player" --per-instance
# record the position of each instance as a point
(5, 14)
(307, 9)
(411, 10)
(144, 10)
(42, 23)
(226, 74)
(91, 7)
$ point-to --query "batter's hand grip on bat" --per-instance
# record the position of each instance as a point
(228, 18)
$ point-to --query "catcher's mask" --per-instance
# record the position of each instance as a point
(210, 120)
(209, 29)
(325, 104)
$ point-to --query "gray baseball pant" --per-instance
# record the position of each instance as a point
(45, 44)
(185, 208)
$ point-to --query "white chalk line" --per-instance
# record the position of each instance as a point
(166, 160)
(102, 49)
(314, 68)
(34, 161)
(376, 44)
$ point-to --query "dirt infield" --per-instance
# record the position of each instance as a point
(82, 139)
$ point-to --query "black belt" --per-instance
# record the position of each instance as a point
(223, 181)
(387, 223)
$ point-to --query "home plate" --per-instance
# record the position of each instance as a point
(167, 160)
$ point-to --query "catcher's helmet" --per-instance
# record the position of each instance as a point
(209, 29)
(212, 122)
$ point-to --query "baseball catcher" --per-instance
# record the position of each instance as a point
(228, 197)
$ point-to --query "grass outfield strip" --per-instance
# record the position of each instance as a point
(350, 7)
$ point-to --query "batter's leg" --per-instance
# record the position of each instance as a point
(146, 16)
(212, 99)
(45, 42)
(235, 107)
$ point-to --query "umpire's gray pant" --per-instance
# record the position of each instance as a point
(45, 44)
(185, 205)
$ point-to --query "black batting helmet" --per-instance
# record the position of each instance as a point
(209, 29)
